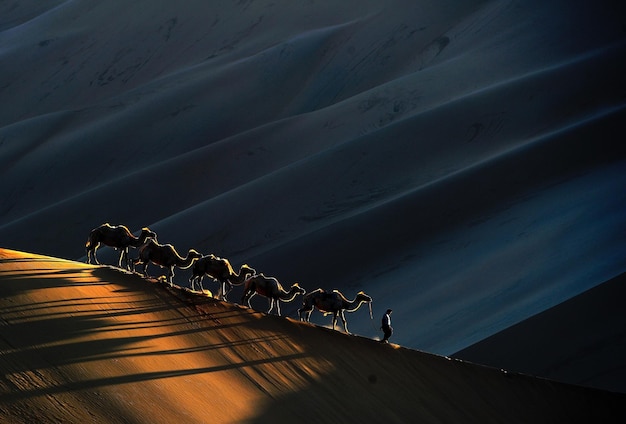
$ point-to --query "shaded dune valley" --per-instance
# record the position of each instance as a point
(82, 343)
(580, 341)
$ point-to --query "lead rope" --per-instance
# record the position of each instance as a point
(372, 319)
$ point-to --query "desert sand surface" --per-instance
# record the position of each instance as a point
(460, 161)
(82, 343)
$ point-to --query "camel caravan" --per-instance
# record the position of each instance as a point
(150, 251)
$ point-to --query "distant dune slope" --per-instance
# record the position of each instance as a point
(581, 341)
(94, 344)
(460, 161)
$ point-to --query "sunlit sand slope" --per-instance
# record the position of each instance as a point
(94, 344)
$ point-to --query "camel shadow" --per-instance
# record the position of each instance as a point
(134, 378)
(115, 324)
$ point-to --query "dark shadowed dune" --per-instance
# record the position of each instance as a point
(580, 341)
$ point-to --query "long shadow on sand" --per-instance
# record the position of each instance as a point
(132, 378)
(41, 332)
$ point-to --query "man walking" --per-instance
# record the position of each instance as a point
(386, 326)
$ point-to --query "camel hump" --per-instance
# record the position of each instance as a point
(338, 293)
(171, 248)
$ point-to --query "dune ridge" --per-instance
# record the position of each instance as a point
(86, 343)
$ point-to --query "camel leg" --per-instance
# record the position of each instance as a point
(126, 260)
(221, 292)
(250, 295)
(343, 319)
(134, 263)
(304, 313)
(170, 276)
(95, 257)
(274, 302)
(196, 278)
(91, 247)
(224, 291)
(200, 283)
(119, 259)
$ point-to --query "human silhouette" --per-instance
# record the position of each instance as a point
(386, 326)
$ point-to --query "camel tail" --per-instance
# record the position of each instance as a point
(90, 248)
(92, 239)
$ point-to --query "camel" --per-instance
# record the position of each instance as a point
(118, 237)
(165, 256)
(270, 288)
(221, 270)
(333, 302)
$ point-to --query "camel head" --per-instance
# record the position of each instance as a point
(297, 289)
(361, 296)
(146, 234)
(247, 269)
(194, 254)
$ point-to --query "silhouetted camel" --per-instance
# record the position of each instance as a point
(270, 288)
(165, 256)
(333, 302)
(221, 270)
(118, 237)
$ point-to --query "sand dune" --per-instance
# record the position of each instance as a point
(580, 341)
(94, 344)
(461, 162)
